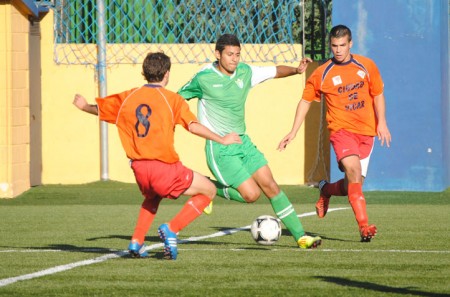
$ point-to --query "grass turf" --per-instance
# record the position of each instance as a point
(60, 226)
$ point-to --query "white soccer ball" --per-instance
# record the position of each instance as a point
(266, 230)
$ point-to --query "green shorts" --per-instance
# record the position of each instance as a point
(233, 164)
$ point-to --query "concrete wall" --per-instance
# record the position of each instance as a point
(14, 102)
(45, 140)
(70, 138)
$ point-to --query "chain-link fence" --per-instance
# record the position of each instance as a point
(184, 29)
(281, 31)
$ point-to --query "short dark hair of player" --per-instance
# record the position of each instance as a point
(340, 31)
(226, 39)
(155, 67)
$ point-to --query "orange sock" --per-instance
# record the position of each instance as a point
(335, 189)
(145, 219)
(190, 211)
(358, 203)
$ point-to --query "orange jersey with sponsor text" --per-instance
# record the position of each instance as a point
(146, 118)
(349, 89)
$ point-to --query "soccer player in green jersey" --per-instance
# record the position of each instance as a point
(241, 170)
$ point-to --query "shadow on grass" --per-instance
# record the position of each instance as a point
(155, 239)
(67, 248)
(284, 232)
(123, 237)
(376, 287)
(90, 250)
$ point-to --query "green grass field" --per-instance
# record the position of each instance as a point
(71, 241)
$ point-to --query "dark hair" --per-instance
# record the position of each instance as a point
(226, 39)
(155, 66)
(340, 31)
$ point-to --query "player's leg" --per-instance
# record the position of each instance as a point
(326, 190)
(248, 191)
(369, 231)
(228, 192)
(352, 167)
(149, 208)
(145, 219)
(338, 188)
(202, 191)
(366, 145)
(343, 144)
(283, 208)
(281, 205)
(341, 141)
(255, 162)
(226, 164)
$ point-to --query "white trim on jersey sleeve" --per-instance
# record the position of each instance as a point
(202, 117)
(262, 73)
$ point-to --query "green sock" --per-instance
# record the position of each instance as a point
(228, 193)
(286, 213)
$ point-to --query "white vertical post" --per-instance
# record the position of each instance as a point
(101, 69)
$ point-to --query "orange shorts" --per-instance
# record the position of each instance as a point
(346, 144)
(158, 178)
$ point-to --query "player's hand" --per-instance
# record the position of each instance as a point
(383, 134)
(231, 138)
(303, 65)
(285, 141)
(80, 102)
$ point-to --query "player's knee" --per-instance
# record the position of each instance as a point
(270, 189)
(208, 189)
(353, 174)
(251, 196)
(211, 191)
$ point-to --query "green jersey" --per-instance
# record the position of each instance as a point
(221, 105)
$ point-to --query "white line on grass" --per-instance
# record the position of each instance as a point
(93, 250)
(388, 251)
(272, 249)
(53, 270)
(324, 250)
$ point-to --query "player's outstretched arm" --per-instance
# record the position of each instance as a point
(286, 140)
(202, 131)
(302, 109)
(81, 103)
(284, 71)
(303, 65)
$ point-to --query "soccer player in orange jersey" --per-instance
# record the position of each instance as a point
(353, 89)
(146, 118)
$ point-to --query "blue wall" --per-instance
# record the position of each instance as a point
(409, 41)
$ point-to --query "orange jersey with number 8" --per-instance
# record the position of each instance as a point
(349, 89)
(146, 118)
